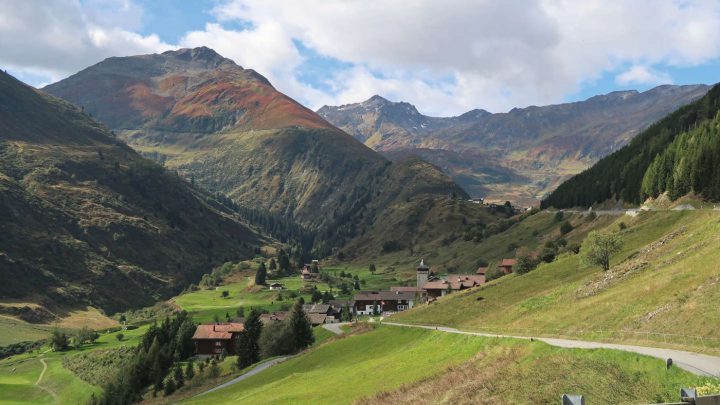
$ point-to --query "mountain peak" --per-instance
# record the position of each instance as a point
(202, 55)
(377, 99)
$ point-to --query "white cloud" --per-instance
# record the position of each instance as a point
(445, 57)
(55, 38)
(642, 75)
(499, 54)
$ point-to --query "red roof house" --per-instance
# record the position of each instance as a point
(212, 339)
(506, 265)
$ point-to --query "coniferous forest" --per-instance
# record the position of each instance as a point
(622, 175)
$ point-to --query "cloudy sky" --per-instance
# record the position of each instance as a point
(446, 57)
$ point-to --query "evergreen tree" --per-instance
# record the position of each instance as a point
(189, 370)
(248, 348)
(273, 265)
(169, 387)
(261, 275)
(59, 341)
(283, 262)
(301, 328)
(178, 376)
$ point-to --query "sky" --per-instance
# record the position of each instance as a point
(444, 56)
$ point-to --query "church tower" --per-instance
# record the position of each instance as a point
(422, 274)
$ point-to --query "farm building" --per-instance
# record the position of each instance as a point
(383, 301)
(277, 286)
(212, 339)
(506, 265)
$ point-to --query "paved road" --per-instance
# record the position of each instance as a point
(335, 327)
(249, 374)
(699, 364)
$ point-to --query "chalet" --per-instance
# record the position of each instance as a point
(318, 319)
(305, 274)
(481, 271)
(217, 338)
(506, 265)
(440, 288)
(367, 302)
(277, 286)
(330, 315)
(277, 316)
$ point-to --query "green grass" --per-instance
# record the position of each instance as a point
(321, 334)
(671, 282)
(205, 304)
(445, 366)
(58, 385)
(349, 368)
(13, 331)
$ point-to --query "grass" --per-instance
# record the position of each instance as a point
(664, 279)
(205, 304)
(395, 362)
(14, 330)
(58, 385)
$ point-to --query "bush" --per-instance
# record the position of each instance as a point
(565, 227)
(119, 337)
(559, 216)
(526, 262)
(275, 340)
(622, 226)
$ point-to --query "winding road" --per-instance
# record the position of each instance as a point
(256, 370)
(696, 363)
(332, 327)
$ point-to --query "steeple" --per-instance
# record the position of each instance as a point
(423, 271)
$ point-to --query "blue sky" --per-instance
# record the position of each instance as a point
(446, 58)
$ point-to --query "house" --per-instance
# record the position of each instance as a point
(277, 286)
(481, 271)
(327, 310)
(456, 282)
(506, 265)
(368, 302)
(305, 274)
(318, 319)
(277, 316)
(217, 338)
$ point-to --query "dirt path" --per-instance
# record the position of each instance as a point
(42, 373)
(696, 363)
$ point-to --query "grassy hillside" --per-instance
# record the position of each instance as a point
(662, 289)
(84, 213)
(393, 365)
(620, 175)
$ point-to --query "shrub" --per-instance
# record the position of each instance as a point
(565, 227)
(119, 337)
(622, 226)
(559, 216)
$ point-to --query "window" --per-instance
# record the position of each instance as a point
(218, 343)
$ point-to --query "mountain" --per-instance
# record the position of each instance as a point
(88, 221)
(227, 129)
(677, 154)
(520, 155)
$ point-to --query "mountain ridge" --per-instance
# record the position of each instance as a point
(539, 145)
(86, 213)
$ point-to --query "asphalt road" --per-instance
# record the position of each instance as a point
(249, 374)
(696, 363)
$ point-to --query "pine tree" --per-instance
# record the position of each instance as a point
(248, 348)
(261, 275)
(190, 370)
(272, 266)
(301, 328)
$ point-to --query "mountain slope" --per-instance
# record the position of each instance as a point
(230, 131)
(87, 221)
(620, 175)
(519, 155)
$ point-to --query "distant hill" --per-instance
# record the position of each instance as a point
(520, 155)
(88, 221)
(678, 154)
(227, 129)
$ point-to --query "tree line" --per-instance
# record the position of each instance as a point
(621, 174)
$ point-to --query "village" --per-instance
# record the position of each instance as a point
(220, 338)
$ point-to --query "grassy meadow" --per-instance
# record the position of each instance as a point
(663, 286)
(404, 365)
